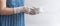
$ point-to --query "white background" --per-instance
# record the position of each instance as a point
(50, 16)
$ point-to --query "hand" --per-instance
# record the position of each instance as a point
(31, 11)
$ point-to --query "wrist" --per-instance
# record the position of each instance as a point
(18, 10)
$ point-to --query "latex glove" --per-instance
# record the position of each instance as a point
(27, 10)
(31, 10)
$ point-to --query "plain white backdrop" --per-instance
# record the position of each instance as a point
(50, 15)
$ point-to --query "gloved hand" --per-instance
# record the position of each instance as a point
(27, 10)
(31, 10)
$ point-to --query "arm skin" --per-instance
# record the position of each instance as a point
(4, 10)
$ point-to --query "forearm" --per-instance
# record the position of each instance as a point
(3, 9)
(9, 11)
(6, 11)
